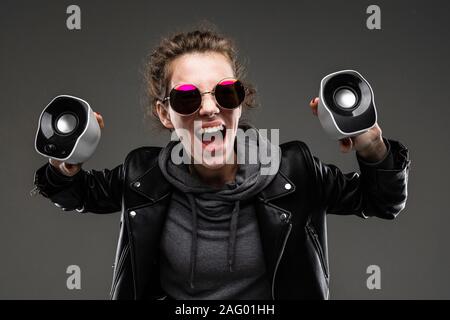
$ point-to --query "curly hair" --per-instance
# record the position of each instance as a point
(201, 40)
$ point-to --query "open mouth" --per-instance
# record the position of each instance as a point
(211, 134)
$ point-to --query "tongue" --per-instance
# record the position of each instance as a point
(208, 140)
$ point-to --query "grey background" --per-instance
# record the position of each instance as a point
(289, 46)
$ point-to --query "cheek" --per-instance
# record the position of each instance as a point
(178, 121)
(235, 116)
(183, 126)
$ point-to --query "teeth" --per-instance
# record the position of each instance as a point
(211, 129)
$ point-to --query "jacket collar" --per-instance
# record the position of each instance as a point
(279, 187)
(154, 186)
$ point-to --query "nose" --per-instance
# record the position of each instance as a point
(209, 106)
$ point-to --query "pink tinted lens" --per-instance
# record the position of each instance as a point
(227, 82)
(230, 93)
(185, 99)
(185, 87)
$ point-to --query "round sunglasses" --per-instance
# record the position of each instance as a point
(186, 99)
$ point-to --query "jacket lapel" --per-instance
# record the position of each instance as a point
(152, 184)
(146, 226)
(274, 221)
(280, 186)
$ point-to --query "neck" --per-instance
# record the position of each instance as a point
(215, 177)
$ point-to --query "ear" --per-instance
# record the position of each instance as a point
(164, 115)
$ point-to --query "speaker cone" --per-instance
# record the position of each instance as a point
(66, 123)
(345, 97)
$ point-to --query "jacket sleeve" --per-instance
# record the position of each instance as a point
(379, 190)
(87, 191)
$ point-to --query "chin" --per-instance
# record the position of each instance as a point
(213, 163)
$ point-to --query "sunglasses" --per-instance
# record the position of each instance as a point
(186, 99)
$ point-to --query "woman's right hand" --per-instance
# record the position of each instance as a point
(69, 169)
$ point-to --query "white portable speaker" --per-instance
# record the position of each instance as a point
(67, 130)
(346, 104)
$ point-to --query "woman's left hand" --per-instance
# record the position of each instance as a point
(369, 145)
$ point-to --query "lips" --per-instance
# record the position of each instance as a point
(209, 135)
(211, 129)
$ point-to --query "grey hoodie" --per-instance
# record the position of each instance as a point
(216, 206)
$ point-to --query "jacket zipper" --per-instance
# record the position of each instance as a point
(119, 267)
(316, 243)
(34, 191)
(279, 259)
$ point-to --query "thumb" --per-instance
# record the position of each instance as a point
(345, 144)
(313, 104)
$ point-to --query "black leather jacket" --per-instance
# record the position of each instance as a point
(291, 213)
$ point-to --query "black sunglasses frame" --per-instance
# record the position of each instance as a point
(167, 98)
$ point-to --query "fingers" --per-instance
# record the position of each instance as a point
(345, 145)
(70, 166)
(313, 104)
(55, 163)
(66, 169)
(70, 169)
(100, 121)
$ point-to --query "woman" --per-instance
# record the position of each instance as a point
(199, 223)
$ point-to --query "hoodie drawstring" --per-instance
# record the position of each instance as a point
(194, 239)
(231, 239)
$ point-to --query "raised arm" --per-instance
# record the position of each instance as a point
(381, 187)
(379, 190)
(70, 187)
(87, 191)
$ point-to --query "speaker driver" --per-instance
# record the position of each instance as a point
(345, 98)
(66, 123)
